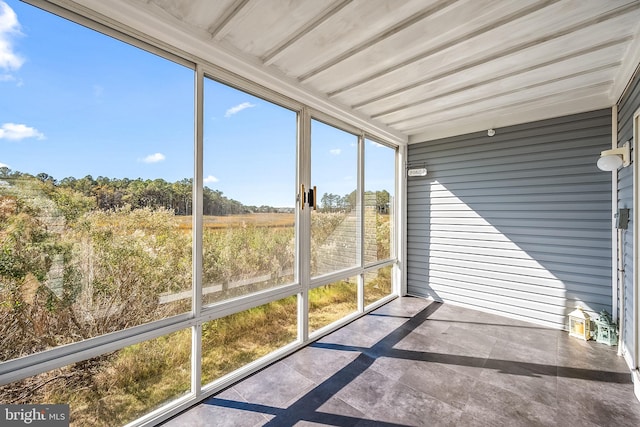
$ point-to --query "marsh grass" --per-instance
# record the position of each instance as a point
(127, 252)
(377, 285)
(233, 341)
(254, 219)
(332, 302)
(119, 387)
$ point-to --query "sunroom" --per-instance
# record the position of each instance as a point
(191, 191)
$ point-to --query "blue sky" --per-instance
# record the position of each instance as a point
(74, 102)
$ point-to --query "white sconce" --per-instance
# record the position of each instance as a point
(611, 160)
(417, 172)
(417, 169)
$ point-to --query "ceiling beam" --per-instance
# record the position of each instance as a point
(225, 19)
(630, 64)
(434, 108)
(495, 78)
(448, 44)
(273, 55)
(531, 103)
(403, 25)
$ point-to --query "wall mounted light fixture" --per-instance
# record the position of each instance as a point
(417, 169)
(611, 160)
(417, 172)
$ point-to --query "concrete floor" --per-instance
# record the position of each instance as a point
(419, 363)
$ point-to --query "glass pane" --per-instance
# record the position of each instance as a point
(95, 186)
(249, 193)
(335, 223)
(332, 302)
(231, 342)
(115, 388)
(379, 195)
(377, 284)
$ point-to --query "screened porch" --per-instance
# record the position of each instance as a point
(338, 212)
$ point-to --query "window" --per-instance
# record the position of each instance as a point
(95, 186)
(249, 193)
(335, 222)
(379, 201)
(330, 303)
(233, 341)
(377, 284)
(115, 388)
(97, 179)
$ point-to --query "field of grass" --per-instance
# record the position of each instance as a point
(256, 219)
(119, 387)
(124, 260)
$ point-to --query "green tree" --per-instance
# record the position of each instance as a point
(382, 201)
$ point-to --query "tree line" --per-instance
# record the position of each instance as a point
(115, 193)
(330, 202)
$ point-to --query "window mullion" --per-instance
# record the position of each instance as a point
(304, 222)
(196, 348)
(360, 209)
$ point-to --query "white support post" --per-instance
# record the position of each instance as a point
(197, 252)
(360, 209)
(614, 234)
(636, 248)
(401, 221)
(303, 228)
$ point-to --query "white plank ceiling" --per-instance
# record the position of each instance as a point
(413, 69)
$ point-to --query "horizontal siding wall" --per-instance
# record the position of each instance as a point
(628, 105)
(518, 223)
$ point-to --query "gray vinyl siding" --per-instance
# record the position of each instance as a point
(628, 105)
(518, 223)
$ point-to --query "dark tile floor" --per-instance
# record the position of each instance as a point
(419, 363)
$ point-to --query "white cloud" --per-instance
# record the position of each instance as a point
(11, 78)
(235, 110)
(4, 165)
(210, 179)
(335, 151)
(16, 132)
(154, 158)
(9, 27)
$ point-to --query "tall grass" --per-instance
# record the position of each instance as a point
(112, 270)
(119, 387)
(233, 341)
(377, 285)
(332, 302)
